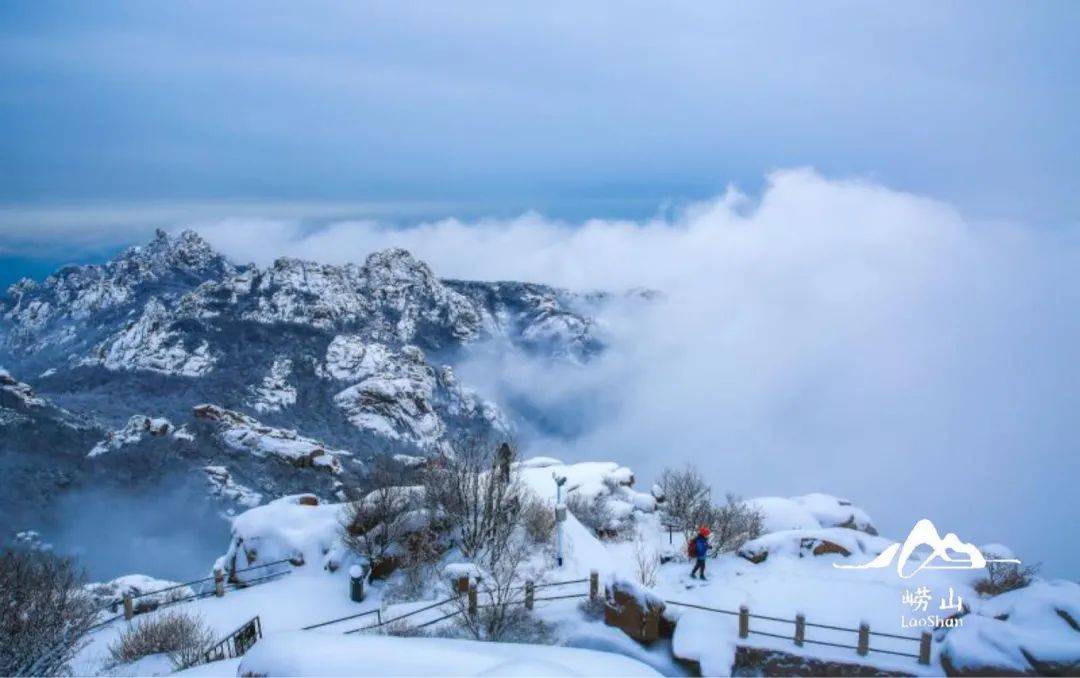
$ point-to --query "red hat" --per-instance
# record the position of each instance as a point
(704, 531)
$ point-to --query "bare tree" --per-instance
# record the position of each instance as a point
(421, 551)
(479, 496)
(375, 525)
(45, 613)
(687, 499)
(733, 524)
(646, 561)
(500, 613)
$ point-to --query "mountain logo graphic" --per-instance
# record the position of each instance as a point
(948, 553)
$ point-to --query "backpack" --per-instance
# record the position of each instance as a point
(691, 548)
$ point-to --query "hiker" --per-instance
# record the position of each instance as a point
(699, 549)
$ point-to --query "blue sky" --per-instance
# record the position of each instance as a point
(496, 108)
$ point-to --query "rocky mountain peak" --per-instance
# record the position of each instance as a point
(395, 266)
(180, 253)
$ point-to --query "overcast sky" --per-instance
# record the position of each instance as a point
(899, 323)
(164, 112)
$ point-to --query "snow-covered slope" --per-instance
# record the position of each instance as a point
(1031, 630)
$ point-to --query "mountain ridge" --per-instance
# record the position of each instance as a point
(356, 359)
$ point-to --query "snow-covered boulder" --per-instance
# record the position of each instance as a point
(696, 640)
(832, 511)
(1033, 631)
(809, 512)
(814, 542)
(606, 483)
(634, 609)
(146, 588)
(245, 434)
(298, 528)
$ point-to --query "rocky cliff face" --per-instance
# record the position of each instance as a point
(353, 360)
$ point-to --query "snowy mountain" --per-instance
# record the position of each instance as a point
(170, 359)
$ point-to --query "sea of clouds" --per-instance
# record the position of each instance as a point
(823, 335)
(826, 335)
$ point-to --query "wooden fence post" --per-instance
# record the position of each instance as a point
(472, 599)
(864, 639)
(800, 629)
(924, 648)
(219, 583)
(129, 606)
(530, 592)
(744, 621)
(594, 585)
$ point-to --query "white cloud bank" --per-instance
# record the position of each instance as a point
(832, 335)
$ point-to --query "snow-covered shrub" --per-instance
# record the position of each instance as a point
(183, 636)
(376, 525)
(1002, 577)
(592, 511)
(538, 519)
(733, 524)
(45, 614)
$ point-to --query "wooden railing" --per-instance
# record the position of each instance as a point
(798, 636)
(470, 607)
(201, 588)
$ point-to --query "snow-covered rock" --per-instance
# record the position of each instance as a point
(137, 428)
(395, 400)
(245, 434)
(1034, 631)
(298, 528)
(146, 588)
(150, 343)
(604, 482)
(814, 542)
(809, 512)
(20, 391)
(275, 393)
(222, 485)
(695, 640)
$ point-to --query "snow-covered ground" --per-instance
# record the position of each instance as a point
(795, 574)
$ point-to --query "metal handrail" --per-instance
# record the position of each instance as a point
(400, 617)
(365, 613)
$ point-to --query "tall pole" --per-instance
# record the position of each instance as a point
(560, 517)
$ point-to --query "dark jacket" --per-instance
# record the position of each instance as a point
(701, 547)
